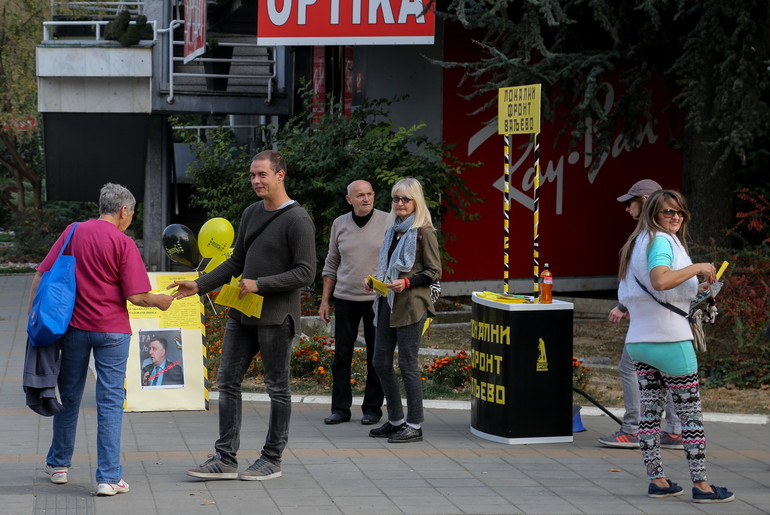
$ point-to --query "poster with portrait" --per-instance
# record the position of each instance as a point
(161, 358)
(165, 370)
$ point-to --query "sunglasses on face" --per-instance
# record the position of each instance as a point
(668, 213)
(631, 201)
(401, 200)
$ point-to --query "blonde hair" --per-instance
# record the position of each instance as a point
(411, 188)
(648, 224)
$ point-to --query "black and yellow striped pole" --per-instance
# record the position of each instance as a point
(506, 210)
(518, 112)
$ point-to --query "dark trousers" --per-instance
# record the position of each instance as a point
(407, 339)
(347, 316)
(241, 343)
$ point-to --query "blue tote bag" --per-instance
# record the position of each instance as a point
(54, 300)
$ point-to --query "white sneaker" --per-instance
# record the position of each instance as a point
(120, 487)
(58, 474)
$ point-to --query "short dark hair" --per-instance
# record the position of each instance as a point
(162, 341)
(277, 161)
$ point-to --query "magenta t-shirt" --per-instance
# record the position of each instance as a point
(109, 269)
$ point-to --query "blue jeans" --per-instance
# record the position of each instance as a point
(110, 356)
(241, 343)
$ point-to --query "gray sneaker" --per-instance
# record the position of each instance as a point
(620, 439)
(671, 441)
(261, 470)
(214, 468)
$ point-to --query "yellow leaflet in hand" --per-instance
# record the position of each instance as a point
(170, 291)
(722, 269)
(249, 305)
(426, 325)
(378, 286)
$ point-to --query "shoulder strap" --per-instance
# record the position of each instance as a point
(67, 241)
(664, 304)
(264, 225)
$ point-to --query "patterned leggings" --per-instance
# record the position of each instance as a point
(685, 393)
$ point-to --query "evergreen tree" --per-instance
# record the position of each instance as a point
(711, 54)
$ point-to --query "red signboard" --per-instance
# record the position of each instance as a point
(194, 29)
(346, 22)
(582, 225)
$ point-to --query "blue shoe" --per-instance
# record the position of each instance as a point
(720, 494)
(673, 490)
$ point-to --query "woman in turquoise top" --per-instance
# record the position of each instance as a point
(655, 268)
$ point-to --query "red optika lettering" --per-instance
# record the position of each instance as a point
(378, 12)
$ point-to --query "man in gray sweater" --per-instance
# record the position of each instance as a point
(275, 254)
(354, 246)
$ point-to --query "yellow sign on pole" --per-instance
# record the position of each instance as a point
(518, 110)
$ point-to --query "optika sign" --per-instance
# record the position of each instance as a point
(344, 22)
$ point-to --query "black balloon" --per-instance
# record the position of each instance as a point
(180, 245)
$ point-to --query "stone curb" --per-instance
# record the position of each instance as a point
(589, 411)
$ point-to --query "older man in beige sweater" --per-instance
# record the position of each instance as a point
(354, 245)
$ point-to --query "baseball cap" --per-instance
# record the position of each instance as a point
(640, 189)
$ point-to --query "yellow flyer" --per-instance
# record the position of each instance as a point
(250, 304)
(378, 286)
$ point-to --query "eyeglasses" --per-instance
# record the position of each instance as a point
(668, 213)
(631, 201)
(401, 200)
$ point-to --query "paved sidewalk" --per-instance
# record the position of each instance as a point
(339, 469)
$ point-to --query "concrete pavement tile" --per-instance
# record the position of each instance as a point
(311, 497)
(393, 485)
(320, 472)
(452, 482)
(402, 474)
(516, 493)
(351, 488)
(374, 504)
(425, 506)
(301, 510)
(18, 504)
(679, 505)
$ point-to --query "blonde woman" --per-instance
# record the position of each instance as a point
(655, 269)
(408, 263)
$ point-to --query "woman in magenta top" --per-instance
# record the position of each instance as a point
(109, 271)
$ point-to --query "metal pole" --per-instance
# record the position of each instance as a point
(506, 209)
(536, 194)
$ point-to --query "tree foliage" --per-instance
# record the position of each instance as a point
(325, 151)
(712, 55)
(20, 23)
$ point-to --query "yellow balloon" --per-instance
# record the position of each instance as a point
(215, 237)
(218, 260)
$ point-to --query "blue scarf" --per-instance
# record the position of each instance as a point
(402, 259)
